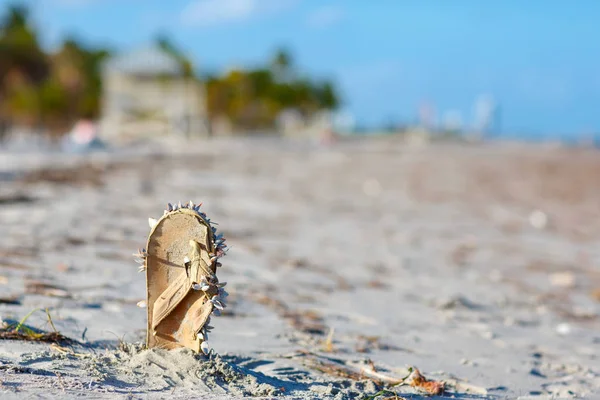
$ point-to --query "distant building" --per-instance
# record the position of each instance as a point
(290, 122)
(320, 126)
(146, 94)
(452, 121)
(427, 116)
(343, 122)
(487, 116)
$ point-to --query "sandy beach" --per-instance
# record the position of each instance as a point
(477, 264)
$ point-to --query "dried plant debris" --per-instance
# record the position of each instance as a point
(358, 371)
(377, 284)
(19, 331)
(328, 346)
(368, 343)
(87, 174)
(335, 369)
(305, 321)
(414, 380)
(13, 265)
(180, 305)
(15, 198)
(45, 289)
(458, 302)
(366, 370)
(13, 301)
(27, 252)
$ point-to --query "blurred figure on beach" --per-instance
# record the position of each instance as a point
(82, 137)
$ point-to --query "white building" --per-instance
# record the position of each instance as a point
(486, 115)
(146, 94)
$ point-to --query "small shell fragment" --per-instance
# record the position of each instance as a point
(141, 253)
(152, 222)
(203, 286)
(141, 304)
(205, 347)
(217, 303)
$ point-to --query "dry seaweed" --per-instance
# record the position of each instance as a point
(45, 289)
(16, 198)
(13, 301)
(367, 343)
(306, 321)
(342, 369)
(20, 331)
(12, 265)
(81, 175)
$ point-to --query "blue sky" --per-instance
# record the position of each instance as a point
(540, 59)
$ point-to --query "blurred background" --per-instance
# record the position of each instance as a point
(412, 180)
(211, 67)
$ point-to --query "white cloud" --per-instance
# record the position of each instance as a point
(216, 12)
(325, 16)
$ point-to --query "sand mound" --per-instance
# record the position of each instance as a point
(160, 369)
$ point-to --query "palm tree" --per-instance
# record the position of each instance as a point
(281, 65)
(19, 47)
(23, 65)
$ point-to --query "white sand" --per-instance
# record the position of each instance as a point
(437, 257)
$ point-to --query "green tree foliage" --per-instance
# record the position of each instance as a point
(22, 67)
(167, 46)
(77, 69)
(254, 98)
(19, 47)
(48, 89)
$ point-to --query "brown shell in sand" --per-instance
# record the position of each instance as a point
(167, 248)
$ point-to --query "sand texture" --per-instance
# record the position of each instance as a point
(477, 264)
